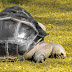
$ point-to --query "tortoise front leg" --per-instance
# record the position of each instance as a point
(42, 52)
(58, 51)
(29, 55)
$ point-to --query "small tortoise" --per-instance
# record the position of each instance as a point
(21, 36)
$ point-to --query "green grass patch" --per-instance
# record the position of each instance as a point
(56, 15)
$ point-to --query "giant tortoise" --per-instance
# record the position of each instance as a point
(21, 37)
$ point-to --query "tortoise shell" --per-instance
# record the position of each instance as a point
(19, 32)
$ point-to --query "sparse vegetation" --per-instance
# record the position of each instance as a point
(56, 15)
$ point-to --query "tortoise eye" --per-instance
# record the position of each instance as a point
(61, 53)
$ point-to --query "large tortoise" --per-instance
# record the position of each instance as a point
(21, 37)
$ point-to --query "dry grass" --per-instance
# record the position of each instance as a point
(56, 15)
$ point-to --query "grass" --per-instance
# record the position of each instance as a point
(56, 15)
